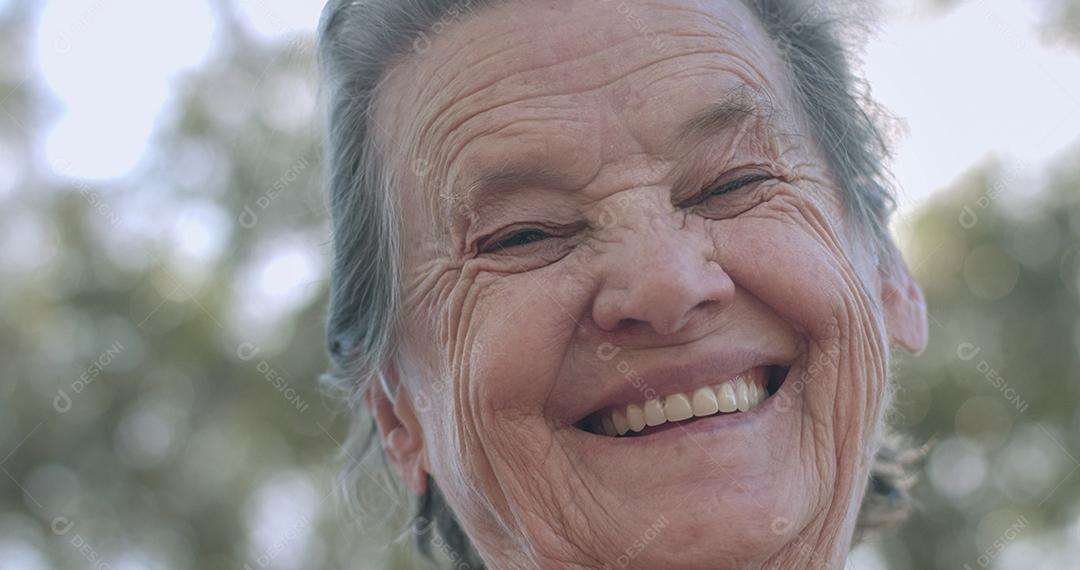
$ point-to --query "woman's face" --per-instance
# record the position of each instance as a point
(614, 214)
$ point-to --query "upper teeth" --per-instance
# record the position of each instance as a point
(739, 394)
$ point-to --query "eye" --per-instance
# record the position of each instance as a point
(731, 185)
(518, 238)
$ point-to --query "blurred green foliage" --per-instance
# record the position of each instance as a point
(995, 392)
(162, 336)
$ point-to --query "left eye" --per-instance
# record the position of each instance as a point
(518, 239)
(732, 185)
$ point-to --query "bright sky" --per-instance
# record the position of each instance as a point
(970, 83)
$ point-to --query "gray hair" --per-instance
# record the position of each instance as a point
(360, 40)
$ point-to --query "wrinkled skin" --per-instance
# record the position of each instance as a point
(510, 334)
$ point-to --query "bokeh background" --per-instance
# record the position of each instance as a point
(163, 247)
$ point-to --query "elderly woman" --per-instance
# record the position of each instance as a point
(613, 280)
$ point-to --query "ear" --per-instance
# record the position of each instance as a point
(400, 432)
(905, 307)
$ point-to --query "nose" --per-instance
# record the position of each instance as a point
(660, 274)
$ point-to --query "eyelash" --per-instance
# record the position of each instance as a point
(729, 186)
(505, 243)
(508, 242)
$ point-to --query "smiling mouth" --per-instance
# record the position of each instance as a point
(740, 394)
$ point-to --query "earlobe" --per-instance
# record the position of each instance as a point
(904, 304)
(400, 433)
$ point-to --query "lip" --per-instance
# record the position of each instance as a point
(631, 383)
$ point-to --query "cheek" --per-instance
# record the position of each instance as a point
(523, 326)
(790, 263)
(791, 254)
(506, 351)
(504, 337)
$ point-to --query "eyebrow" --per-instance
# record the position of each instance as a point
(513, 175)
(502, 179)
(733, 107)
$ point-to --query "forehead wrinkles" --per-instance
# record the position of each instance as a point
(445, 99)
